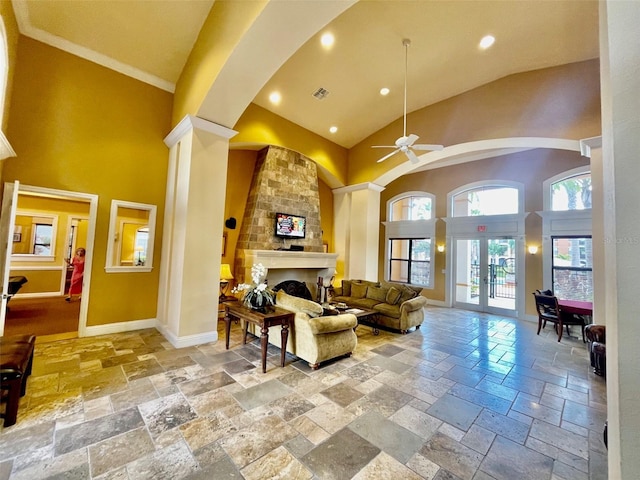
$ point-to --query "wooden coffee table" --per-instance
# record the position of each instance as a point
(270, 317)
(365, 315)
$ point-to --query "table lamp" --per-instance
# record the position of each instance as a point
(225, 276)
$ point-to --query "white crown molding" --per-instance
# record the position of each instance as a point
(27, 29)
(190, 122)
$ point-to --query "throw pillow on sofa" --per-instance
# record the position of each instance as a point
(407, 294)
(377, 293)
(346, 288)
(297, 304)
(393, 296)
(358, 290)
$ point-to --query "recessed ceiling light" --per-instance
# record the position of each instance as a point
(487, 41)
(384, 91)
(275, 98)
(333, 129)
(327, 40)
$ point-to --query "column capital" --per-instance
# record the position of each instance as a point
(586, 144)
(358, 187)
(191, 122)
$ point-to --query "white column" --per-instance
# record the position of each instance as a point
(620, 98)
(592, 148)
(357, 229)
(192, 232)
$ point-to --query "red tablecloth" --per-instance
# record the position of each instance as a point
(576, 306)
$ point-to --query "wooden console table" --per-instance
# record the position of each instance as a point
(270, 317)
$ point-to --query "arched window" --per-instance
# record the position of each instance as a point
(566, 232)
(486, 200)
(417, 206)
(410, 234)
(571, 193)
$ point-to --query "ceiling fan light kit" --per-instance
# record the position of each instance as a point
(406, 144)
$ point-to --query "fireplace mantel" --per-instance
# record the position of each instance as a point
(287, 259)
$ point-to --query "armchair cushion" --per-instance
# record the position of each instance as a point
(297, 304)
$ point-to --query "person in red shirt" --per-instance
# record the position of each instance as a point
(77, 262)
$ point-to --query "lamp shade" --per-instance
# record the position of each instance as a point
(225, 272)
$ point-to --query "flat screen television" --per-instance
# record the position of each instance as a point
(290, 226)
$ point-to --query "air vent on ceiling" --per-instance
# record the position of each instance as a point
(320, 93)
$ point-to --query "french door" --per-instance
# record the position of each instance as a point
(485, 273)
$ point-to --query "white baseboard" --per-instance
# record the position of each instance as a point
(436, 303)
(188, 340)
(120, 327)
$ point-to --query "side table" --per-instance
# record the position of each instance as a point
(271, 316)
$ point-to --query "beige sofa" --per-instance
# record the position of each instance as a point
(399, 306)
(313, 337)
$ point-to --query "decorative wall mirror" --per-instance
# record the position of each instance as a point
(34, 236)
(131, 233)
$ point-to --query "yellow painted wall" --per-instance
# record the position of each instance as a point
(39, 281)
(81, 127)
(326, 214)
(239, 173)
(261, 127)
(12, 33)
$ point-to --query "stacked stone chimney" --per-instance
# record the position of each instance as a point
(283, 181)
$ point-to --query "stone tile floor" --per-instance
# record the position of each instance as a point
(468, 396)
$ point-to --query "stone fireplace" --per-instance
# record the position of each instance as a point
(283, 181)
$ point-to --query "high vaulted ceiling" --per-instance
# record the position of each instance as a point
(151, 39)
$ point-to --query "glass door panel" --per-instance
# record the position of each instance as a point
(485, 274)
(467, 273)
(501, 273)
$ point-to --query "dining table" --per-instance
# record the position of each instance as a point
(577, 307)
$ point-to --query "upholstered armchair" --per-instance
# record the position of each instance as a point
(314, 337)
(597, 347)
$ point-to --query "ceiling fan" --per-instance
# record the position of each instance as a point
(406, 143)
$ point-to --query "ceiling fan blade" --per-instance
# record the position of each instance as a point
(383, 146)
(410, 139)
(426, 146)
(412, 156)
(388, 155)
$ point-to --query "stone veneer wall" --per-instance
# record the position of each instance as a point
(283, 181)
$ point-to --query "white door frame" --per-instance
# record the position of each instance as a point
(93, 210)
(489, 226)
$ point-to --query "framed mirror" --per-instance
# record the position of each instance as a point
(131, 234)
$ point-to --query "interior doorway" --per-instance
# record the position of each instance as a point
(46, 227)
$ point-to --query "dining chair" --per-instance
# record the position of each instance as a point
(549, 311)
